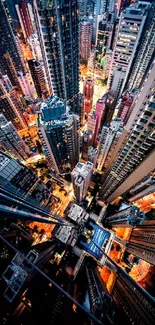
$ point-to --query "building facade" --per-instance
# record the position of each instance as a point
(19, 181)
(138, 142)
(108, 140)
(85, 40)
(87, 141)
(126, 218)
(126, 104)
(81, 176)
(59, 132)
(99, 111)
(88, 91)
(58, 33)
(10, 60)
(145, 53)
(91, 125)
(24, 17)
(131, 26)
(11, 141)
(38, 77)
(10, 104)
(142, 188)
(141, 242)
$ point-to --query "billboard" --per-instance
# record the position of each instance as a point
(99, 237)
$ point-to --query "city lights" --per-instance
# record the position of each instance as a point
(77, 175)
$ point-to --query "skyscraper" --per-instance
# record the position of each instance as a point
(27, 85)
(97, 5)
(117, 81)
(88, 90)
(58, 32)
(87, 141)
(136, 176)
(138, 148)
(141, 242)
(135, 304)
(99, 111)
(92, 155)
(8, 52)
(86, 7)
(91, 125)
(81, 175)
(142, 188)
(109, 107)
(85, 40)
(81, 111)
(19, 181)
(99, 298)
(11, 141)
(10, 104)
(145, 53)
(126, 104)
(38, 77)
(130, 30)
(108, 140)
(59, 131)
(22, 9)
(126, 218)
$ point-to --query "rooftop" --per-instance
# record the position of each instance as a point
(77, 214)
(83, 169)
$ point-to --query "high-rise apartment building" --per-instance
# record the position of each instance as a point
(99, 111)
(92, 119)
(23, 10)
(81, 176)
(11, 141)
(126, 218)
(88, 91)
(87, 141)
(92, 125)
(92, 155)
(86, 7)
(12, 13)
(145, 53)
(96, 19)
(135, 177)
(141, 242)
(99, 298)
(8, 50)
(117, 81)
(59, 131)
(58, 33)
(91, 61)
(131, 26)
(85, 40)
(10, 104)
(17, 180)
(38, 77)
(145, 187)
(108, 140)
(136, 154)
(35, 47)
(101, 37)
(135, 304)
(126, 104)
(27, 85)
(109, 107)
(81, 111)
